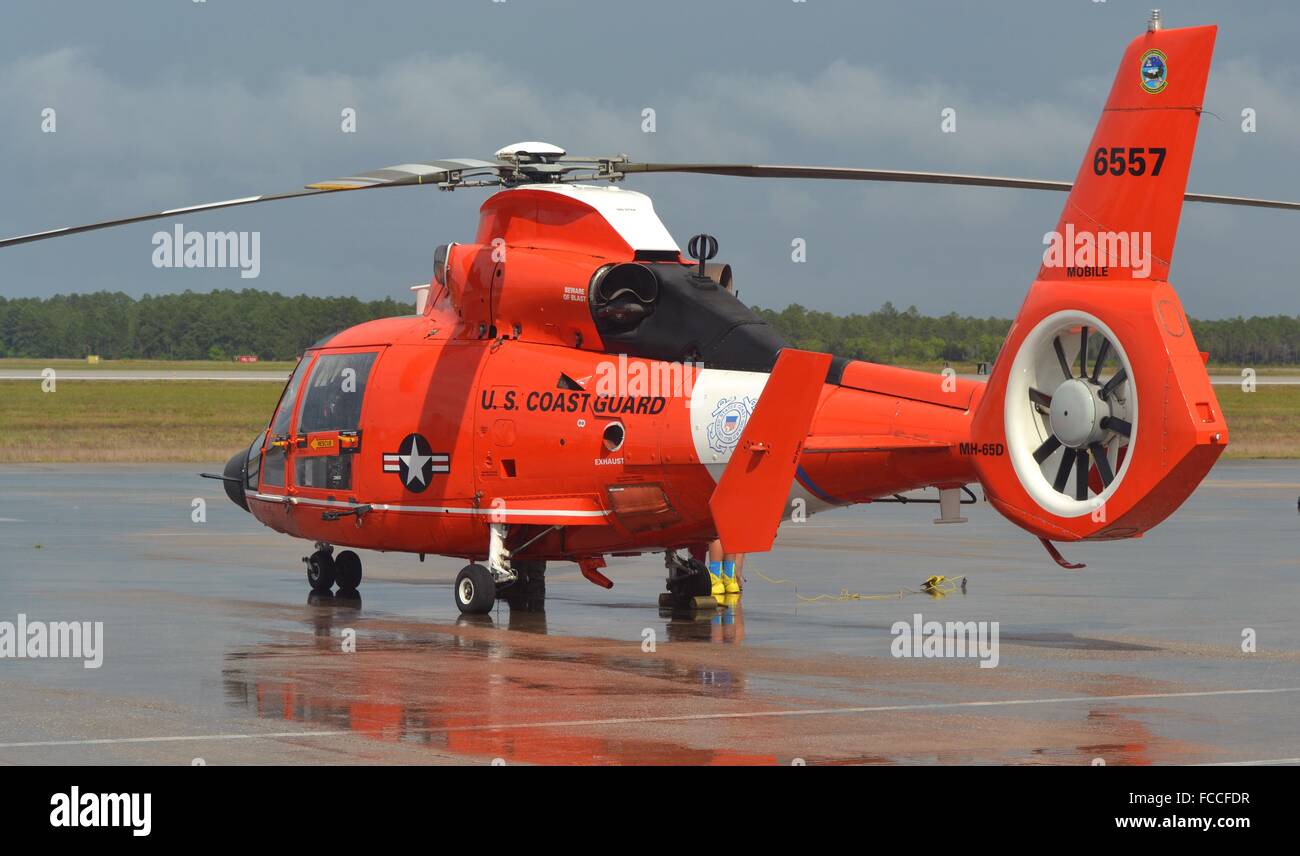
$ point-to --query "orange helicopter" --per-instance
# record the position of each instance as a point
(571, 387)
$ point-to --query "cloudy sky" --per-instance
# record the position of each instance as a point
(163, 103)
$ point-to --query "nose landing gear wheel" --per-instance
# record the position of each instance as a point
(320, 571)
(475, 590)
(347, 570)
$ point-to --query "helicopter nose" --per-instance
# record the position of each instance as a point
(233, 479)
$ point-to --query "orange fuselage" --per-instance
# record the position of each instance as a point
(519, 449)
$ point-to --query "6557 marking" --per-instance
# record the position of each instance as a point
(1118, 160)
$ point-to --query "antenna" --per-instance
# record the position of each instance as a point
(702, 248)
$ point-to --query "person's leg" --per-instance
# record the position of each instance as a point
(715, 568)
(730, 585)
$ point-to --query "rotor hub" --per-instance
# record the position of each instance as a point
(1077, 411)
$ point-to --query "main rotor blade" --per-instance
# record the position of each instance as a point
(899, 175)
(401, 175)
(842, 173)
(452, 170)
(159, 215)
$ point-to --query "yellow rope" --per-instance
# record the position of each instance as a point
(936, 586)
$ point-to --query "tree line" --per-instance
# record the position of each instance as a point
(890, 336)
(223, 324)
(187, 326)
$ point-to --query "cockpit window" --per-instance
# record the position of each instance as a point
(335, 392)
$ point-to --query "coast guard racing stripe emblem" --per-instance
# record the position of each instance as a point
(415, 462)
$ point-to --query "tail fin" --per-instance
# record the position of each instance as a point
(1134, 173)
(1100, 403)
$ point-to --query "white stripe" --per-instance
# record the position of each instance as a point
(108, 741)
(694, 717)
(884, 708)
(37, 234)
(1265, 762)
(210, 205)
(432, 509)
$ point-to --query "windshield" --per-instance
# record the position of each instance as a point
(280, 422)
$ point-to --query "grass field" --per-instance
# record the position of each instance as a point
(1262, 424)
(130, 421)
(207, 421)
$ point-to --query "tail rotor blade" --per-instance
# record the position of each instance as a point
(1119, 426)
(1101, 359)
(1113, 384)
(1063, 472)
(1103, 464)
(1060, 355)
(1043, 452)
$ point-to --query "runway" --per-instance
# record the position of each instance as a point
(147, 375)
(282, 377)
(213, 651)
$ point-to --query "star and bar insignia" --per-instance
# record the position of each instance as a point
(416, 462)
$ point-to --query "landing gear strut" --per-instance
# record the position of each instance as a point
(688, 584)
(476, 586)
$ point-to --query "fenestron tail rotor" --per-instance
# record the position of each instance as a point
(1077, 427)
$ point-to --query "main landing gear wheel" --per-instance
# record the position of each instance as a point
(320, 571)
(347, 570)
(475, 590)
(528, 592)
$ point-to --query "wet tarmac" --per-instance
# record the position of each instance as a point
(213, 650)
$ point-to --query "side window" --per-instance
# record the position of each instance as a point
(284, 410)
(335, 392)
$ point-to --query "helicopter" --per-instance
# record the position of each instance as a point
(573, 387)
